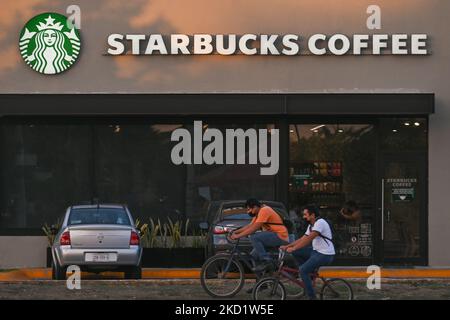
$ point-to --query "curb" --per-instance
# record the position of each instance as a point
(45, 274)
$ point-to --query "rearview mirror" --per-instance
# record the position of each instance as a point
(203, 226)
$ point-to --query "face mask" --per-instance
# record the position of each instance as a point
(251, 214)
(308, 222)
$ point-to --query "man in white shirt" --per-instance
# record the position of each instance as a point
(322, 251)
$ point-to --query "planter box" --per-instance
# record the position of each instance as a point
(173, 258)
(49, 257)
(164, 257)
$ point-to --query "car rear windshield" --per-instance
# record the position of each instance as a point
(99, 216)
(240, 213)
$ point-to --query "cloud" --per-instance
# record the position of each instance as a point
(13, 14)
(9, 58)
(17, 10)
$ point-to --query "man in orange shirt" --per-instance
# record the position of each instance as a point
(273, 234)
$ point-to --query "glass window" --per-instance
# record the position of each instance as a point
(44, 168)
(133, 166)
(206, 183)
(333, 167)
(98, 216)
(404, 134)
(236, 214)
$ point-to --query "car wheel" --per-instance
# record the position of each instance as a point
(133, 273)
(58, 272)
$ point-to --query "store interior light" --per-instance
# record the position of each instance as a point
(315, 129)
(291, 131)
(340, 130)
(407, 124)
(417, 124)
(395, 130)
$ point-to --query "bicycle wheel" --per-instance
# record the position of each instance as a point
(269, 289)
(293, 290)
(336, 289)
(222, 276)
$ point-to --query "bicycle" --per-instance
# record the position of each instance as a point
(223, 275)
(272, 288)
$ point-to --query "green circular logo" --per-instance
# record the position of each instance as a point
(49, 43)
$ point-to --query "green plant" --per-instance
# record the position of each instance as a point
(50, 231)
(174, 233)
(152, 235)
(143, 232)
(169, 234)
(199, 241)
(163, 231)
(186, 234)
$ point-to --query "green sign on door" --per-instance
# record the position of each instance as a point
(402, 190)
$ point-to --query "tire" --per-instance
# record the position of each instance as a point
(269, 289)
(216, 283)
(133, 273)
(336, 289)
(293, 291)
(58, 272)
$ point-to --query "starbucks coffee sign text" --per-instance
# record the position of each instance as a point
(265, 44)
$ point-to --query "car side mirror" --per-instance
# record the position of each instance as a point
(204, 226)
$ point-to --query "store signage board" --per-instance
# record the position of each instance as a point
(402, 195)
(402, 190)
(268, 44)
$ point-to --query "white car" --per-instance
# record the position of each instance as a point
(97, 238)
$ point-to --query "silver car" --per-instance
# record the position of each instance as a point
(97, 238)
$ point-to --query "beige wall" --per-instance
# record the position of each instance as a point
(97, 73)
(21, 252)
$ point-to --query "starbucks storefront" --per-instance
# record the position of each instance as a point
(352, 104)
(98, 150)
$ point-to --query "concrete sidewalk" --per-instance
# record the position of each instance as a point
(327, 272)
(190, 289)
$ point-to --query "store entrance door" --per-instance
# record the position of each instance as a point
(403, 211)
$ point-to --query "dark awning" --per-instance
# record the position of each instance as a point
(217, 104)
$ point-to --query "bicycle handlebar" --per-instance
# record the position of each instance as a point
(281, 254)
(229, 235)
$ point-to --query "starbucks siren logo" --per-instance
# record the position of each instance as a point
(48, 45)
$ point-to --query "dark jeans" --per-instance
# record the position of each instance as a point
(263, 240)
(310, 261)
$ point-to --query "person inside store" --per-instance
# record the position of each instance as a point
(320, 254)
(351, 212)
(274, 233)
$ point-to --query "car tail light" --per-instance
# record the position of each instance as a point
(134, 239)
(65, 239)
(221, 230)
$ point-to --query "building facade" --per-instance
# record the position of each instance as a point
(369, 128)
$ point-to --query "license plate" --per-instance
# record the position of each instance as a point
(100, 257)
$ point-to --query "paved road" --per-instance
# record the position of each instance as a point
(191, 289)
